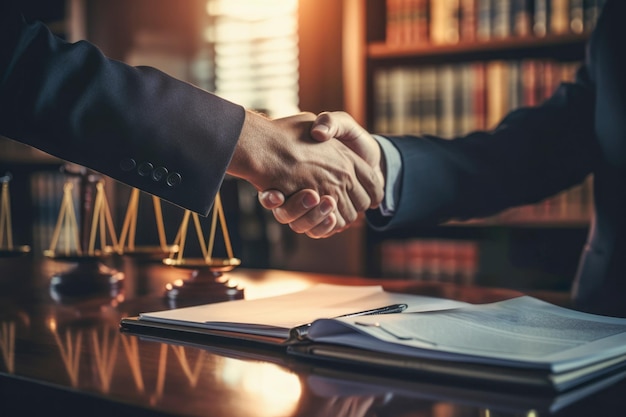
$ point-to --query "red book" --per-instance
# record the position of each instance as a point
(393, 21)
(480, 92)
(529, 82)
(420, 21)
(467, 20)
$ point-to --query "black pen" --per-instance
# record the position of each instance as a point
(300, 332)
(394, 308)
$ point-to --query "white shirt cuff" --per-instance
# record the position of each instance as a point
(393, 176)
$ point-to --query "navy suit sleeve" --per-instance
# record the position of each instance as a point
(532, 154)
(134, 124)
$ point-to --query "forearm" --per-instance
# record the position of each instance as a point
(264, 154)
(534, 153)
(72, 102)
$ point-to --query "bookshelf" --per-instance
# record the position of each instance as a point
(448, 67)
(568, 44)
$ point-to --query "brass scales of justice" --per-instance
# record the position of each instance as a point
(77, 245)
(205, 283)
(7, 248)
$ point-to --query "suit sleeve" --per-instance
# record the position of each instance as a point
(532, 154)
(134, 124)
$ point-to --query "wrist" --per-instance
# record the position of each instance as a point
(246, 162)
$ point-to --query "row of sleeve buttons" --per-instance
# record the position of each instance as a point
(147, 169)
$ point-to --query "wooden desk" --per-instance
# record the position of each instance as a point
(73, 360)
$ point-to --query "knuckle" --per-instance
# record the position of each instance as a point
(296, 228)
(351, 217)
(313, 235)
(363, 205)
(324, 116)
(280, 216)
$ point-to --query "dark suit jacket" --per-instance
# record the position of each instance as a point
(534, 153)
(136, 125)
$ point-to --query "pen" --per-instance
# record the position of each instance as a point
(300, 332)
(394, 308)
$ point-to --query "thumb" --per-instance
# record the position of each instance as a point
(341, 126)
(321, 129)
(271, 199)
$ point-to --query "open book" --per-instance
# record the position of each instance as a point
(521, 341)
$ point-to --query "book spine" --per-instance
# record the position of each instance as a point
(514, 85)
(483, 20)
(415, 100)
(501, 18)
(393, 259)
(429, 103)
(480, 95)
(407, 21)
(459, 100)
(539, 81)
(529, 82)
(559, 17)
(382, 102)
(467, 20)
(453, 30)
(420, 23)
(541, 18)
(551, 78)
(393, 33)
(398, 96)
(576, 16)
(522, 12)
(447, 96)
(444, 21)
(497, 92)
(468, 122)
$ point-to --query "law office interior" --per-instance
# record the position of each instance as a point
(440, 67)
(83, 257)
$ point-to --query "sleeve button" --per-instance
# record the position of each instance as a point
(127, 164)
(145, 169)
(159, 173)
(174, 179)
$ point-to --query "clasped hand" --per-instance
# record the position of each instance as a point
(324, 189)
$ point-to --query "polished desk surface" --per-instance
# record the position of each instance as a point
(72, 359)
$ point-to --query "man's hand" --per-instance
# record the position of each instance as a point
(320, 219)
(299, 211)
(342, 126)
(281, 155)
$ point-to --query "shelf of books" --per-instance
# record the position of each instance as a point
(450, 67)
(445, 22)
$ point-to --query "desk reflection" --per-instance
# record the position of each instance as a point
(7, 345)
(96, 356)
(75, 355)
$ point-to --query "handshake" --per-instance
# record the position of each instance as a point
(315, 173)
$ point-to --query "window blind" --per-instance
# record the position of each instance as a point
(254, 46)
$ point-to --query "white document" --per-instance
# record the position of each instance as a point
(520, 340)
(522, 332)
(275, 316)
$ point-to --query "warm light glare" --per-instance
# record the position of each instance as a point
(251, 9)
(52, 324)
(256, 53)
(274, 289)
(266, 387)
